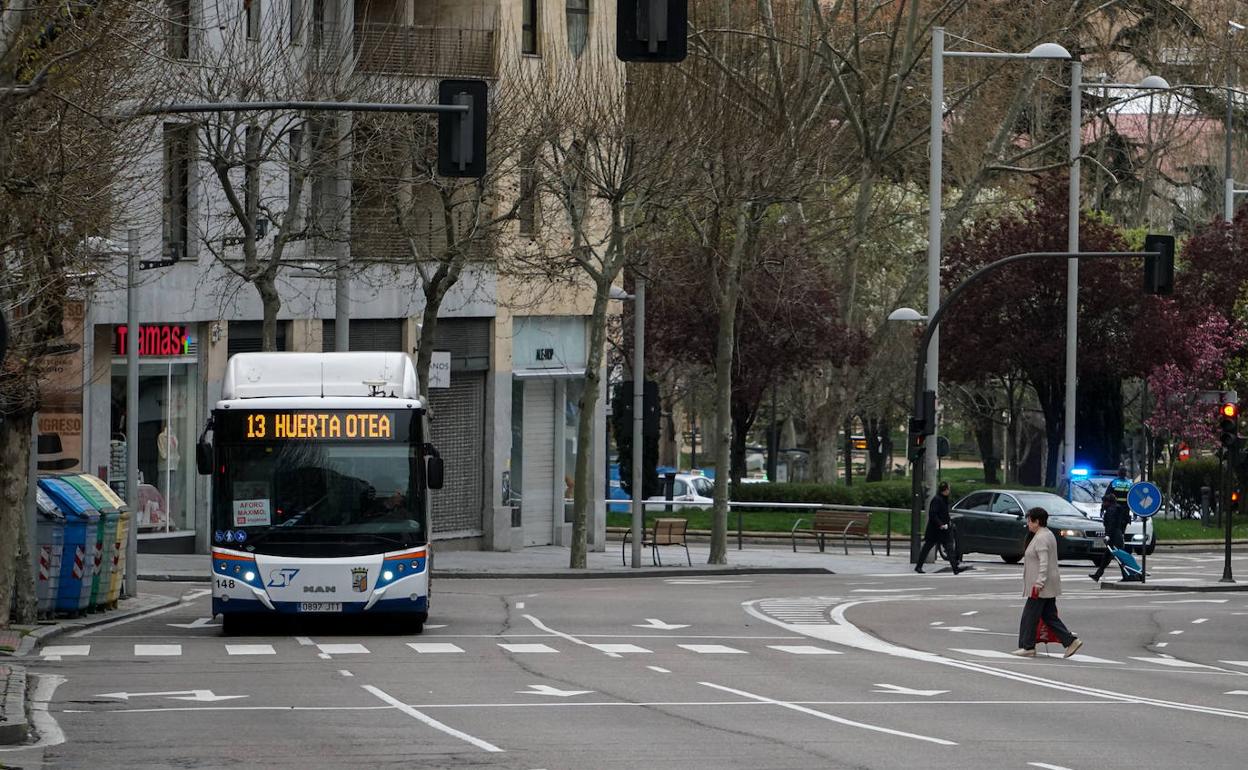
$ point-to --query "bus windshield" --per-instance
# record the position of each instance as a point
(313, 498)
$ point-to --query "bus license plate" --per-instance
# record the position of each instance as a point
(320, 606)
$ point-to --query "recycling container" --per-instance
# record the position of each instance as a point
(50, 545)
(105, 538)
(73, 593)
(117, 550)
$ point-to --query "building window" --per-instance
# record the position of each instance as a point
(578, 26)
(319, 22)
(251, 9)
(528, 209)
(177, 188)
(528, 27)
(178, 29)
(296, 21)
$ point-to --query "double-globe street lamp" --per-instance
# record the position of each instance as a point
(1042, 52)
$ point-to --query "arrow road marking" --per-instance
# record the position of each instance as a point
(657, 624)
(893, 689)
(545, 689)
(430, 721)
(198, 623)
(204, 696)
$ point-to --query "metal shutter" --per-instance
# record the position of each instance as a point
(538, 477)
(248, 337)
(367, 334)
(467, 339)
(459, 434)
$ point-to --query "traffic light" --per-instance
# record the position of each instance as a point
(461, 135)
(1228, 425)
(1159, 270)
(651, 30)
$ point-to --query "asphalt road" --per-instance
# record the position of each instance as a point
(864, 671)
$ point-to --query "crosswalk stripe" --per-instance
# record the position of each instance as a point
(617, 648)
(1172, 662)
(342, 649)
(434, 647)
(250, 649)
(153, 650)
(66, 650)
(804, 649)
(525, 648)
(712, 649)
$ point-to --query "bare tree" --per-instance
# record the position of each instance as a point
(61, 168)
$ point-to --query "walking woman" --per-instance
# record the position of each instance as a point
(1042, 584)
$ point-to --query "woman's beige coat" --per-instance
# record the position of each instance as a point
(1040, 565)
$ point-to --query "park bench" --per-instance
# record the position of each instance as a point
(847, 524)
(660, 532)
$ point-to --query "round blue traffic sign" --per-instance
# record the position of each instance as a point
(1144, 498)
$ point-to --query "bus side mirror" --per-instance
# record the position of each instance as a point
(203, 457)
(434, 469)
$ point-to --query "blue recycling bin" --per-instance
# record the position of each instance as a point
(73, 595)
(49, 544)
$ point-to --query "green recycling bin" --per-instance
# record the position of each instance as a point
(103, 544)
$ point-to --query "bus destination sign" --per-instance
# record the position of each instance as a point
(342, 425)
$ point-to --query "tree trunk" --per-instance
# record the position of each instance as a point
(986, 439)
(582, 489)
(877, 446)
(271, 301)
(848, 447)
(14, 465)
(742, 421)
(1053, 408)
(1098, 422)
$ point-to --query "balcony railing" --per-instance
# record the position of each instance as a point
(392, 49)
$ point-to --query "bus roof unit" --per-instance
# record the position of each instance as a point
(276, 375)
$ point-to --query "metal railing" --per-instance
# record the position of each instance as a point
(396, 49)
(739, 506)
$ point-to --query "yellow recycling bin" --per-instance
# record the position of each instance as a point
(117, 548)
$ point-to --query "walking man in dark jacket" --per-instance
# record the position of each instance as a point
(1115, 517)
(939, 530)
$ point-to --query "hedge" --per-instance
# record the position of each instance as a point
(1189, 477)
(885, 494)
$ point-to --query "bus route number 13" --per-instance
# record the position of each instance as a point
(255, 426)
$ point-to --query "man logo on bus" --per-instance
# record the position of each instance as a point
(359, 579)
(283, 577)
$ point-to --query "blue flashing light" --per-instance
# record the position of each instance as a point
(1079, 472)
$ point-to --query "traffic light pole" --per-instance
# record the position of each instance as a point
(917, 495)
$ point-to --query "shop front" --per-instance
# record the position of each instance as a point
(548, 365)
(169, 417)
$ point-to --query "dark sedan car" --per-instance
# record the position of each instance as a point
(993, 521)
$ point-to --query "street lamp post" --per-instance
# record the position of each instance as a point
(1043, 51)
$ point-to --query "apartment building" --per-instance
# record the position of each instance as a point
(300, 212)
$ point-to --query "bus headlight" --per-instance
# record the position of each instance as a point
(387, 576)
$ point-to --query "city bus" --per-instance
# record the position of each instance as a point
(321, 471)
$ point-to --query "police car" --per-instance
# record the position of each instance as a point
(1085, 491)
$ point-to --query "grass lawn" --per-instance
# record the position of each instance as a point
(1188, 529)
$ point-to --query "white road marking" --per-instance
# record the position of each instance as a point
(1234, 662)
(896, 689)
(545, 689)
(657, 624)
(972, 612)
(712, 649)
(804, 649)
(937, 623)
(430, 626)
(157, 650)
(192, 595)
(46, 727)
(434, 647)
(829, 717)
(324, 656)
(1162, 644)
(527, 648)
(345, 672)
(619, 648)
(701, 581)
(890, 590)
(1176, 633)
(1237, 692)
(659, 669)
(428, 720)
(56, 652)
(1171, 662)
(115, 623)
(1047, 766)
(250, 649)
(342, 649)
(543, 627)
(306, 642)
(196, 623)
(1198, 621)
(519, 605)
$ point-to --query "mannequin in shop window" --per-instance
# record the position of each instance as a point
(169, 458)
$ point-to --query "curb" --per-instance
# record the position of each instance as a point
(176, 578)
(599, 574)
(45, 633)
(13, 702)
(1206, 588)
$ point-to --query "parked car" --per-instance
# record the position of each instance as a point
(690, 488)
(994, 521)
(1086, 493)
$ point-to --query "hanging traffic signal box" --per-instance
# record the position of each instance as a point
(461, 135)
(1159, 270)
(922, 424)
(651, 30)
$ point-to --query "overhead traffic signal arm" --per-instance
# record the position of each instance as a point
(461, 134)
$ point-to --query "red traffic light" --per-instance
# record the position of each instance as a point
(1230, 410)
